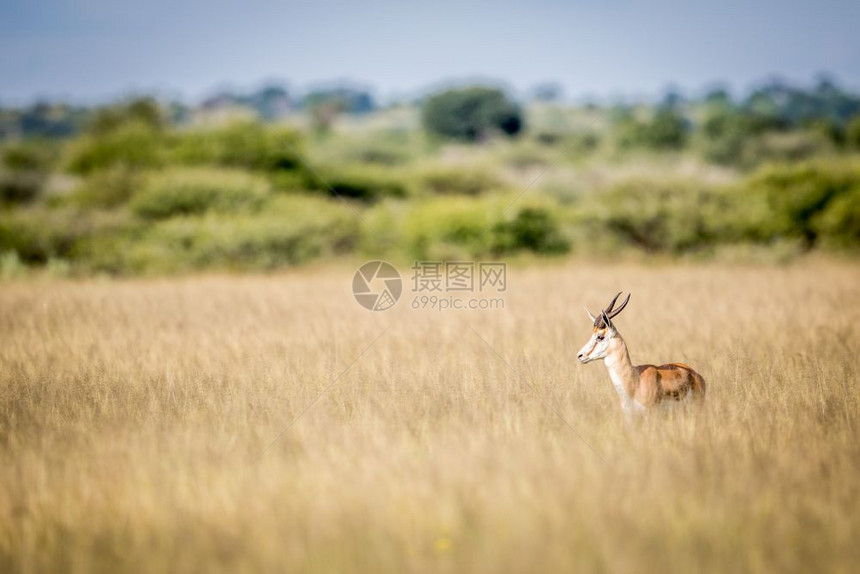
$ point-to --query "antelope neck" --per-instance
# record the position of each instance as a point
(621, 370)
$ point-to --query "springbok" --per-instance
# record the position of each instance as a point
(639, 386)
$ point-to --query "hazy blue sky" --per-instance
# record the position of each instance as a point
(104, 48)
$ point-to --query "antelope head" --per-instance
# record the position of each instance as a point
(603, 333)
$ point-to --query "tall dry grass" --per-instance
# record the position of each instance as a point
(132, 415)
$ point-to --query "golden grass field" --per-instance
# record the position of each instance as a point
(133, 414)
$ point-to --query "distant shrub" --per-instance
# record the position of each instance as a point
(248, 145)
(31, 156)
(581, 143)
(548, 137)
(828, 130)
(657, 216)
(733, 137)
(724, 133)
(131, 145)
(386, 148)
(471, 114)
(804, 201)
(42, 120)
(838, 224)
(144, 111)
(665, 130)
(384, 153)
(24, 169)
(324, 106)
(38, 234)
(565, 187)
(525, 154)
(785, 147)
(108, 188)
(465, 180)
(293, 181)
(478, 227)
(289, 231)
(449, 228)
(852, 133)
(195, 191)
(363, 182)
(532, 229)
(20, 186)
(576, 144)
(346, 100)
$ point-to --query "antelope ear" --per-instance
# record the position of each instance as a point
(590, 316)
(606, 320)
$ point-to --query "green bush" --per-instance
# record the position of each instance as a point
(194, 191)
(289, 231)
(581, 144)
(248, 145)
(838, 224)
(144, 111)
(731, 137)
(385, 147)
(462, 180)
(363, 182)
(524, 154)
(657, 216)
(665, 130)
(30, 156)
(20, 186)
(471, 114)
(532, 229)
(852, 133)
(723, 133)
(387, 153)
(137, 144)
(26, 166)
(790, 201)
(107, 188)
(130, 145)
(450, 228)
(828, 130)
(39, 234)
(461, 227)
(784, 147)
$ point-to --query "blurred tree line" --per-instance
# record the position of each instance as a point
(134, 188)
(269, 103)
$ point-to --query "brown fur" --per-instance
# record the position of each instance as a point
(672, 381)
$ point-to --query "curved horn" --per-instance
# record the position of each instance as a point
(611, 303)
(620, 308)
(590, 316)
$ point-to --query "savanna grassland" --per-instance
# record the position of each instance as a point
(134, 413)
